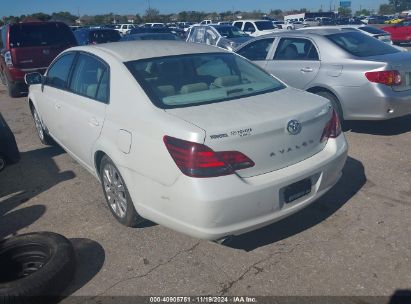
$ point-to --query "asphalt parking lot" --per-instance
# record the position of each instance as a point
(354, 241)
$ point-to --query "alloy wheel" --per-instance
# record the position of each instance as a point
(38, 124)
(115, 190)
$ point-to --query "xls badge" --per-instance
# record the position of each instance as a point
(294, 127)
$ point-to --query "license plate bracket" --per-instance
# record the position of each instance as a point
(297, 190)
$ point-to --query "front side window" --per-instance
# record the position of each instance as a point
(249, 27)
(238, 25)
(361, 45)
(296, 49)
(195, 79)
(257, 50)
(90, 78)
(57, 75)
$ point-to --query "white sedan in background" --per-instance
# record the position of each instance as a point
(189, 136)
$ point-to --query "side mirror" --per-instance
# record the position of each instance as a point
(33, 78)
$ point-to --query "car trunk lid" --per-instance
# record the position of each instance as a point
(400, 62)
(258, 127)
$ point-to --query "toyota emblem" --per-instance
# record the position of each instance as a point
(294, 127)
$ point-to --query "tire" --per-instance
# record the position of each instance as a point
(118, 201)
(2, 78)
(334, 102)
(12, 88)
(35, 265)
(41, 132)
(2, 162)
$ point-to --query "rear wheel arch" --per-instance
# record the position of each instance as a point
(333, 98)
(98, 156)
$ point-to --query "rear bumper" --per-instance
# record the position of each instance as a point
(374, 102)
(214, 208)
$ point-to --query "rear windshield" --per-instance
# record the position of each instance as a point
(195, 79)
(28, 35)
(103, 36)
(264, 25)
(361, 45)
(230, 32)
(153, 36)
(372, 30)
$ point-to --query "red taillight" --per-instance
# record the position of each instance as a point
(8, 59)
(332, 129)
(198, 160)
(389, 78)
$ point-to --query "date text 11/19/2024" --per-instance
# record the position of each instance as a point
(203, 299)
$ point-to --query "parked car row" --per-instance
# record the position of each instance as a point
(212, 142)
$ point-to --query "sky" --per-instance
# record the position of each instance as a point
(131, 7)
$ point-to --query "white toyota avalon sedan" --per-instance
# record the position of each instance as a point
(189, 136)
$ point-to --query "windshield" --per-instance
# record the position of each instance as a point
(264, 25)
(372, 30)
(195, 79)
(361, 45)
(230, 32)
(28, 35)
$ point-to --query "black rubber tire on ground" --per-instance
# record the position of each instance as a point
(2, 78)
(2, 162)
(12, 88)
(35, 267)
(45, 138)
(131, 218)
(334, 102)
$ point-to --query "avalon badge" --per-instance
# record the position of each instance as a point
(294, 127)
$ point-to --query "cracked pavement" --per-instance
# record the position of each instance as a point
(353, 241)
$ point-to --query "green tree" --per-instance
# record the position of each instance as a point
(344, 11)
(386, 9)
(400, 5)
(363, 12)
(151, 15)
(64, 16)
(40, 16)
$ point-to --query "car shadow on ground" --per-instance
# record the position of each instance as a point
(401, 296)
(389, 127)
(90, 257)
(352, 180)
(35, 173)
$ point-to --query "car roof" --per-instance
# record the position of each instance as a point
(326, 30)
(135, 50)
(252, 20)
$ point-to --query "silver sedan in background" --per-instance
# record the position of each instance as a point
(364, 78)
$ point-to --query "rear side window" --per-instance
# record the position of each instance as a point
(42, 34)
(296, 49)
(57, 75)
(90, 78)
(361, 45)
(257, 50)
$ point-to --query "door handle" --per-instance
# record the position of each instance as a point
(307, 70)
(57, 106)
(94, 122)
